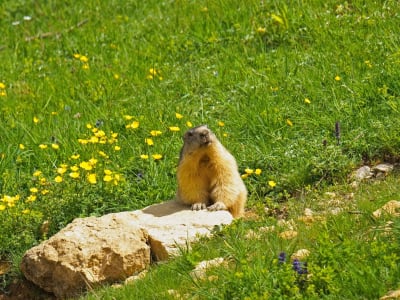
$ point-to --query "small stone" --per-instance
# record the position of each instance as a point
(391, 208)
(391, 295)
(362, 173)
(308, 212)
(199, 272)
(384, 168)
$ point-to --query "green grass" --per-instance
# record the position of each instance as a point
(352, 255)
(278, 74)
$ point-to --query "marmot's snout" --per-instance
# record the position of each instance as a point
(200, 136)
(204, 138)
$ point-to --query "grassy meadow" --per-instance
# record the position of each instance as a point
(95, 96)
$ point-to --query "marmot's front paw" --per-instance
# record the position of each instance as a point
(199, 206)
(217, 206)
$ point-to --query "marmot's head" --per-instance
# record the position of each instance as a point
(198, 137)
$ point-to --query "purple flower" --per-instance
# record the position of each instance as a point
(299, 267)
(282, 257)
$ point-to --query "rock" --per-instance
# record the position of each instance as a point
(391, 295)
(308, 212)
(199, 272)
(392, 208)
(362, 173)
(382, 170)
(92, 251)
(171, 225)
(89, 251)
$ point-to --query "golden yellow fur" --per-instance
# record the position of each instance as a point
(208, 175)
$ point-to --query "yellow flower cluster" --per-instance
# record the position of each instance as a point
(3, 92)
(99, 137)
(8, 201)
(249, 172)
(86, 169)
(83, 59)
(153, 73)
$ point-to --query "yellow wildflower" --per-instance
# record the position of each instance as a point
(83, 59)
(85, 67)
(128, 117)
(74, 175)
(221, 124)
(107, 178)
(61, 170)
(31, 198)
(272, 183)
(337, 78)
(94, 139)
(58, 179)
(77, 55)
(42, 146)
(21, 147)
(149, 142)
(100, 133)
(153, 71)
(35, 120)
(75, 156)
(74, 168)
(174, 128)
(133, 125)
(189, 124)
(44, 192)
(2, 86)
(26, 211)
(83, 141)
(33, 190)
(37, 173)
(261, 30)
(155, 132)
(107, 172)
(102, 153)
(307, 101)
(55, 146)
(244, 176)
(93, 161)
(178, 116)
(86, 165)
(92, 178)
(144, 156)
(117, 148)
(249, 171)
(258, 171)
(157, 156)
(290, 123)
(2, 207)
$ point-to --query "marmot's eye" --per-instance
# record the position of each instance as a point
(190, 133)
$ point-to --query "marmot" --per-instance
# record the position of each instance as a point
(208, 175)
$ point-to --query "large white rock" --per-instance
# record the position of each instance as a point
(91, 251)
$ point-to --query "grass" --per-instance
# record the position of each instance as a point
(304, 92)
(351, 254)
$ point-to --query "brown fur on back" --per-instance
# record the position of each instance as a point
(207, 173)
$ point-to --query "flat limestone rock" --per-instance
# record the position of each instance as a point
(171, 225)
(93, 251)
